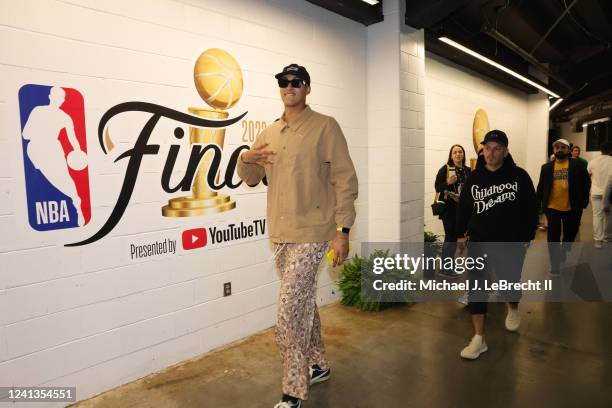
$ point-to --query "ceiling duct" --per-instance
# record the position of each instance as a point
(526, 56)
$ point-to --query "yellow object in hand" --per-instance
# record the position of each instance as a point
(330, 254)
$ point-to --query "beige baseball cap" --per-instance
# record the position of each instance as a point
(563, 141)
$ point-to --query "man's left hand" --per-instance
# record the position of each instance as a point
(340, 245)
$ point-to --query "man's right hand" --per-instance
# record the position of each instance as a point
(258, 155)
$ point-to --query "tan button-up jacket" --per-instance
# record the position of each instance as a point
(312, 184)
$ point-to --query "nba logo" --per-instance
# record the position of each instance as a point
(54, 157)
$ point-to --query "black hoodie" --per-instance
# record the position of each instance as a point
(498, 206)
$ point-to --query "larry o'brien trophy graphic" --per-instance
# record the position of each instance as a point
(218, 79)
(480, 127)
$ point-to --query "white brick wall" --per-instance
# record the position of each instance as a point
(383, 126)
(395, 128)
(88, 316)
(412, 103)
(537, 134)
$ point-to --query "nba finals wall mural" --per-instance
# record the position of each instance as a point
(55, 150)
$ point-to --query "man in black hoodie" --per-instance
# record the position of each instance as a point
(498, 206)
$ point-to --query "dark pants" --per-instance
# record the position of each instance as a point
(504, 261)
(449, 220)
(567, 222)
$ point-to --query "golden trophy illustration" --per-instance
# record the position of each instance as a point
(480, 127)
(218, 79)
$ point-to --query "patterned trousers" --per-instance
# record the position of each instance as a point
(298, 328)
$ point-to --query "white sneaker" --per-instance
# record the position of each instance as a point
(598, 244)
(513, 319)
(476, 347)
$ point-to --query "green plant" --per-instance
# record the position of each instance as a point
(433, 246)
(357, 273)
(429, 236)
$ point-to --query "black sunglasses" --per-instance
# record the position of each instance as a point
(295, 82)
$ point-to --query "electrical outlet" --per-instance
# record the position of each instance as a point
(227, 289)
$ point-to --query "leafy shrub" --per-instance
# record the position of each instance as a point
(429, 236)
(352, 278)
(433, 246)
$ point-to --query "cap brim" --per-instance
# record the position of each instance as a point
(282, 74)
(496, 141)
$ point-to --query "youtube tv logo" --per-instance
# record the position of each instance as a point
(194, 238)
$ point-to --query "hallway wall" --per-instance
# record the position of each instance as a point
(395, 103)
(95, 316)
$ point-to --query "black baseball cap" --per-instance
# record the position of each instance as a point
(297, 70)
(496, 136)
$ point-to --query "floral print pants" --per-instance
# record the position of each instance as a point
(298, 328)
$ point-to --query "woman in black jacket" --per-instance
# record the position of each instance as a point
(449, 182)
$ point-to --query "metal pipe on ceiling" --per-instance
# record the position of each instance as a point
(490, 31)
(541, 40)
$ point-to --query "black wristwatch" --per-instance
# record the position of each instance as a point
(344, 230)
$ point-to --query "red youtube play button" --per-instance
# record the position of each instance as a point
(194, 238)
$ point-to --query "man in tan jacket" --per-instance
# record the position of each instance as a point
(312, 187)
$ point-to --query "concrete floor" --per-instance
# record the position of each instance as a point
(408, 357)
